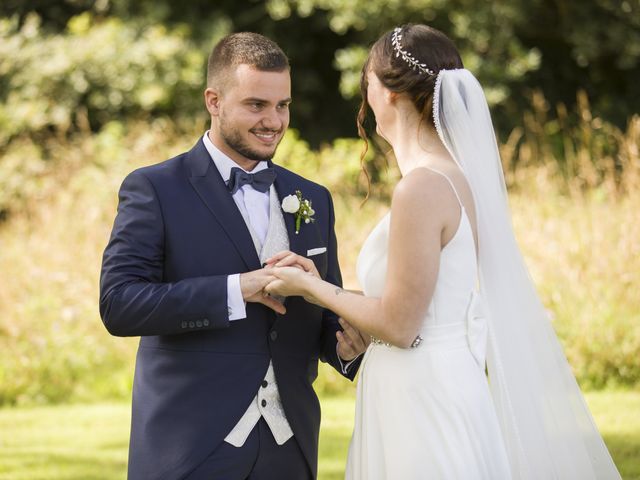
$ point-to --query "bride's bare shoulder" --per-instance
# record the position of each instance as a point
(422, 188)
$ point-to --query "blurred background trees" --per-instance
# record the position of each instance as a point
(513, 46)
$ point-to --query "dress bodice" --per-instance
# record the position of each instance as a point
(457, 273)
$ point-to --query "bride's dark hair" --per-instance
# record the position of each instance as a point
(430, 47)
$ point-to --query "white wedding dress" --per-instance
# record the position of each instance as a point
(427, 412)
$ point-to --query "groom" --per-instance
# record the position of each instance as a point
(223, 376)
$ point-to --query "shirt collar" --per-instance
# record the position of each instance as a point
(223, 163)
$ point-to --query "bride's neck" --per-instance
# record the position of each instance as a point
(415, 143)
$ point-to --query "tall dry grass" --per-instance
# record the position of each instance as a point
(576, 217)
(53, 345)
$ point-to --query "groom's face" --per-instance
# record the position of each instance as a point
(250, 114)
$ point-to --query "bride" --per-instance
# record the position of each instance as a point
(444, 284)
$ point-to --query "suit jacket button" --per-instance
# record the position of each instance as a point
(183, 324)
(192, 324)
(198, 323)
(274, 335)
(205, 322)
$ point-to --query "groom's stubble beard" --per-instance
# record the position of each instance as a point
(232, 137)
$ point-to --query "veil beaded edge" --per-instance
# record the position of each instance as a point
(436, 110)
(546, 425)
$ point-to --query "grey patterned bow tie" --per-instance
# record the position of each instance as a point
(260, 181)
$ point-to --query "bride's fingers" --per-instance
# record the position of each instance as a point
(278, 256)
(309, 266)
(299, 261)
(289, 260)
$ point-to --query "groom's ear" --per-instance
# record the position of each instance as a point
(212, 101)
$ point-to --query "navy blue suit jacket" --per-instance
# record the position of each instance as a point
(177, 235)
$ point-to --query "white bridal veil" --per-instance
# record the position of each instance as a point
(547, 427)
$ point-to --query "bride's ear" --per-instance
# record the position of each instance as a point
(390, 97)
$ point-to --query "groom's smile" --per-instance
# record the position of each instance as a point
(267, 137)
(250, 114)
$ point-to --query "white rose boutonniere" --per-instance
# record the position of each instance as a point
(291, 204)
(300, 207)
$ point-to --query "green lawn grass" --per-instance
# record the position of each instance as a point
(89, 442)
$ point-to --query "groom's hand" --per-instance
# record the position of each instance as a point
(252, 287)
(351, 342)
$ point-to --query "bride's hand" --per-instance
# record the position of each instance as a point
(290, 259)
(290, 281)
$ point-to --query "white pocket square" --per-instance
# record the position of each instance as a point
(316, 251)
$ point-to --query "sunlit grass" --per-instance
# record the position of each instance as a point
(617, 415)
(90, 442)
(77, 442)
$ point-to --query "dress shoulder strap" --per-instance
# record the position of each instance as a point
(450, 183)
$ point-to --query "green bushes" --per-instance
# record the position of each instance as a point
(93, 73)
(56, 87)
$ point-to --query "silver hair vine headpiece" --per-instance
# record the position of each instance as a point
(396, 37)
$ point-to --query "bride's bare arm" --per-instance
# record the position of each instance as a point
(421, 206)
(287, 258)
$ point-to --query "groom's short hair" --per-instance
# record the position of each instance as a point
(247, 48)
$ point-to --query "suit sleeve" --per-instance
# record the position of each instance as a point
(330, 319)
(134, 299)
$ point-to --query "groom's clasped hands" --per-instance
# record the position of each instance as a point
(288, 274)
(279, 276)
(291, 274)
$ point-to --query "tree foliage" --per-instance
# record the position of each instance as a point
(91, 73)
(319, 110)
(513, 46)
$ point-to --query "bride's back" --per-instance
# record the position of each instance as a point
(457, 273)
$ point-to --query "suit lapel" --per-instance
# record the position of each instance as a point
(208, 183)
(284, 186)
